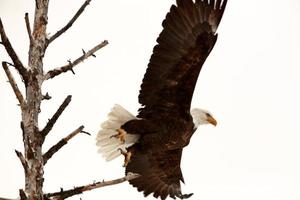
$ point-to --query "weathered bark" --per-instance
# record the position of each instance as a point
(69, 67)
(60, 144)
(70, 23)
(57, 114)
(14, 86)
(12, 54)
(27, 22)
(33, 160)
(33, 140)
(78, 190)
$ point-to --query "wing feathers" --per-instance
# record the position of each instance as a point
(200, 9)
(160, 172)
(188, 36)
(218, 3)
(183, 26)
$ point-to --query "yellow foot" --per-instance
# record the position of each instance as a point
(127, 156)
(121, 135)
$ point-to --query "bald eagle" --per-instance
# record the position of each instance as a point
(152, 141)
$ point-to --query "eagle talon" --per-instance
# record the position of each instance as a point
(127, 156)
(122, 151)
(121, 135)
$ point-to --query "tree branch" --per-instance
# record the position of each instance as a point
(14, 57)
(71, 65)
(61, 143)
(28, 28)
(78, 190)
(14, 85)
(22, 195)
(22, 159)
(70, 23)
(56, 115)
(23, 130)
(46, 96)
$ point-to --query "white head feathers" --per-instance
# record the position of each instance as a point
(201, 116)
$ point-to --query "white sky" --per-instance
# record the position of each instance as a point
(250, 83)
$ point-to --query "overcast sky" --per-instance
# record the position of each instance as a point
(250, 83)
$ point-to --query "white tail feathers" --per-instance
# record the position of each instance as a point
(110, 146)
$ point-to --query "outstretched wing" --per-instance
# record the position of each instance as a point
(183, 46)
(160, 173)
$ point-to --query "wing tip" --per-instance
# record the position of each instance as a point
(224, 4)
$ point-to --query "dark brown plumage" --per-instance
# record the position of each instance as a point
(165, 123)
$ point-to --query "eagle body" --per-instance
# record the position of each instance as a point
(152, 141)
(163, 131)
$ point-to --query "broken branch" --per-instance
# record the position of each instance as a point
(70, 23)
(22, 195)
(28, 28)
(14, 85)
(78, 190)
(60, 144)
(57, 114)
(46, 96)
(71, 65)
(22, 159)
(14, 57)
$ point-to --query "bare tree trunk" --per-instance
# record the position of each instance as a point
(34, 160)
(33, 140)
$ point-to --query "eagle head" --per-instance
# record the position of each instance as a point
(201, 116)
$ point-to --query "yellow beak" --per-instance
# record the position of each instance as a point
(212, 120)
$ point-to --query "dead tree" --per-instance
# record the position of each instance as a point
(33, 159)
